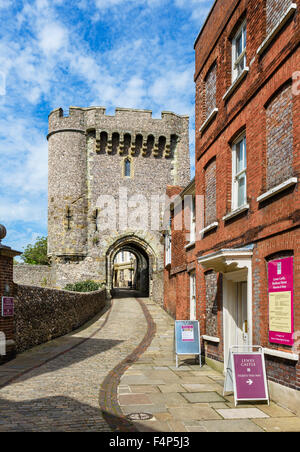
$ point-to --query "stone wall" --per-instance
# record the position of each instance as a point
(44, 314)
(33, 275)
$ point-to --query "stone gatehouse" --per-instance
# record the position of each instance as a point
(104, 170)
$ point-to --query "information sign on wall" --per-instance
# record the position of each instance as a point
(281, 286)
(7, 307)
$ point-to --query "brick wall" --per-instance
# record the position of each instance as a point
(274, 10)
(44, 314)
(279, 130)
(7, 323)
(263, 106)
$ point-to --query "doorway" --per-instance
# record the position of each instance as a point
(236, 312)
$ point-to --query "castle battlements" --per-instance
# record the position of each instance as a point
(125, 120)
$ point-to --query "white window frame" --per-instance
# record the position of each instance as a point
(242, 58)
(238, 175)
(193, 306)
(168, 249)
(193, 220)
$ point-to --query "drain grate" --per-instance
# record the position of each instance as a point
(139, 417)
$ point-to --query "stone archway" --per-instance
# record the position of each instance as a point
(146, 262)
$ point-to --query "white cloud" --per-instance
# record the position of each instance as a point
(4, 4)
(19, 211)
(199, 8)
(52, 38)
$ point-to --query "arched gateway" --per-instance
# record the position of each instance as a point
(95, 158)
(146, 263)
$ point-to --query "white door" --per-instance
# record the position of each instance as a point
(235, 312)
(193, 296)
(241, 316)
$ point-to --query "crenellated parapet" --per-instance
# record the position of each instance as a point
(125, 121)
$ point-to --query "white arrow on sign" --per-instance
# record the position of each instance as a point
(249, 382)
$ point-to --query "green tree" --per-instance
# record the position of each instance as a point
(36, 254)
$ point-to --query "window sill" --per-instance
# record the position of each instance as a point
(279, 188)
(210, 227)
(236, 212)
(190, 245)
(280, 354)
(236, 83)
(280, 24)
(211, 339)
(209, 120)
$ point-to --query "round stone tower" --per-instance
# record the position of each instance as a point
(67, 185)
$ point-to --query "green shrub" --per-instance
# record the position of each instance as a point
(84, 286)
(36, 254)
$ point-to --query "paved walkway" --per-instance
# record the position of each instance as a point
(123, 364)
(190, 398)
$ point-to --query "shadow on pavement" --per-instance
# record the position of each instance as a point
(74, 350)
(57, 414)
(126, 293)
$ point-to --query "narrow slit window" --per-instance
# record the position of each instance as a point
(127, 168)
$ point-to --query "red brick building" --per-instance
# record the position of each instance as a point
(247, 188)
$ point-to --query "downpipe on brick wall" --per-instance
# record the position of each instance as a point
(2, 344)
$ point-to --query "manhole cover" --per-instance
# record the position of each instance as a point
(139, 417)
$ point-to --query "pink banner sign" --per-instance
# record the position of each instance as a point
(281, 306)
(7, 308)
(250, 378)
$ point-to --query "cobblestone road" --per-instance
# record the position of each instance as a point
(63, 393)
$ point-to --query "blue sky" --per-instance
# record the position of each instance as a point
(61, 53)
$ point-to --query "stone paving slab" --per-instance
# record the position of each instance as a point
(168, 399)
(276, 411)
(200, 387)
(242, 413)
(145, 389)
(203, 397)
(245, 426)
(194, 412)
(134, 399)
(290, 424)
(171, 388)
